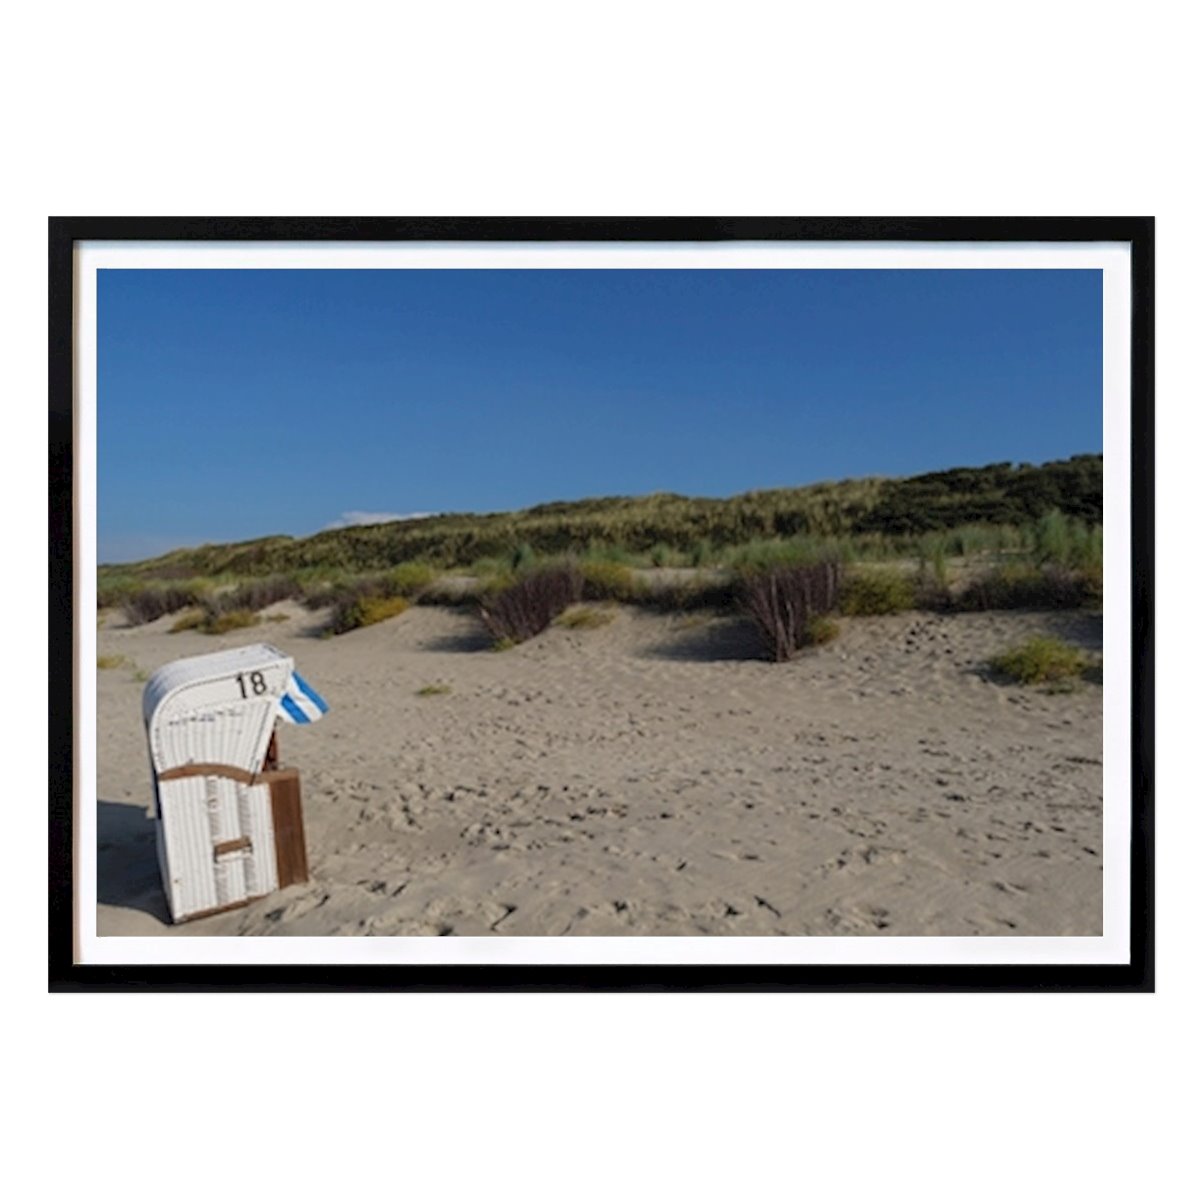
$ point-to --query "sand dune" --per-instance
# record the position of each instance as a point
(648, 777)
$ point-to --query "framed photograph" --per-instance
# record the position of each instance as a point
(735, 604)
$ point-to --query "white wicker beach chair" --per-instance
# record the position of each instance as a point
(229, 823)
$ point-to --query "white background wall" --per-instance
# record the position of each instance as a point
(613, 108)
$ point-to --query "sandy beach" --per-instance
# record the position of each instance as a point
(649, 777)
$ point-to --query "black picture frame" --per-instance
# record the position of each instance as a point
(66, 974)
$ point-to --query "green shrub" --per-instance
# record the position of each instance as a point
(408, 579)
(1024, 586)
(1065, 541)
(435, 689)
(584, 618)
(820, 630)
(937, 563)
(347, 594)
(320, 593)
(876, 592)
(256, 594)
(360, 611)
(113, 592)
(1091, 551)
(149, 603)
(193, 618)
(224, 622)
(492, 585)
(484, 568)
(523, 557)
(609, 581)
(800, 550)
(765, 553)
(1040, 660)
(1052, 537)
(607, 552)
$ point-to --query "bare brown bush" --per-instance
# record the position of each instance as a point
(524, 609)
(782, 601)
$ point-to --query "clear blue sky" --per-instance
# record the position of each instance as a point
(234, 404)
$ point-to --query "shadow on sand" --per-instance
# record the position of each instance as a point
(469, 638)
(1084, 629)
(126, 861)
(718, 640)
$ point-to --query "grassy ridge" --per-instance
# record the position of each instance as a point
(860, 518)
(892, 545)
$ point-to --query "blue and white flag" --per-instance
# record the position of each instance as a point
(300, 704)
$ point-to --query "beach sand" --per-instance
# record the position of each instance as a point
(649, 777)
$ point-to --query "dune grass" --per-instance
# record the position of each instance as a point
(192, 618)
(1023, 585)
(820, 630)
(110, 662)
(228, 621)
(435, 689)
(146, 604)
(408, 580)
(1040, 660)
(877, 591)
(969, 539)
(888, 513)
(360, 611)
(583, 617)
(608, 580)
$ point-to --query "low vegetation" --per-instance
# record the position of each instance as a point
(1040, 660)
(1001, 536)
(887, 516)
(610, 581)
(226, 622)
(256, 594)
(820, 630)
(360, 611)
(214, 619)
(582, 617)
(110, 662)
(407, 580)
(435, 689)
(1022, 585)
(192, 618)
(147, 604)
(877, 591)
